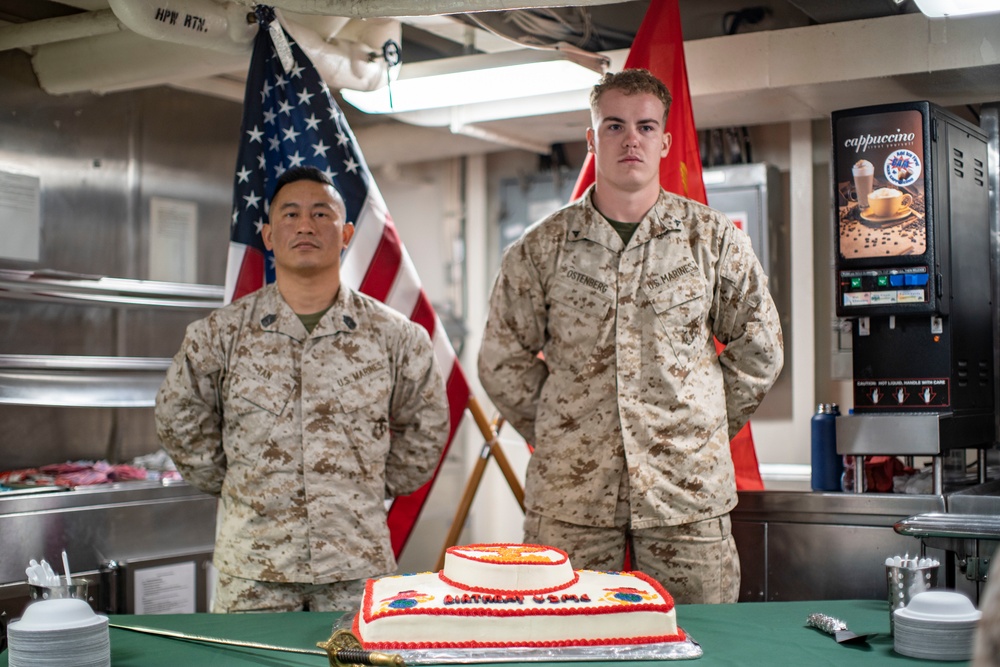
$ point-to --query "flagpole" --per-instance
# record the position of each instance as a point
(491, 448)
(490, 434)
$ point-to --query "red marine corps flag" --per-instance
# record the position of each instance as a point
(659, 47)
(290, 119)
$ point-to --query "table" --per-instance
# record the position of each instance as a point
(750, 633)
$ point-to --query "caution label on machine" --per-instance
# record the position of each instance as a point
(902, 393)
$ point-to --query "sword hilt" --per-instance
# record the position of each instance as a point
(345, 650)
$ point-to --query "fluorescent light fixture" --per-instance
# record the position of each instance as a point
(450, 82)
(942, 8)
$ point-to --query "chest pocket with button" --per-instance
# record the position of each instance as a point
(575, 322)
(680, 308)
(253, 409)
(365, 407)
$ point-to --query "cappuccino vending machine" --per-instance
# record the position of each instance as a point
(913, 274)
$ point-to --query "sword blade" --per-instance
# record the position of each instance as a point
(173, 634)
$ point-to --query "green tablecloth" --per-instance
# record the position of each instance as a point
(759, 633)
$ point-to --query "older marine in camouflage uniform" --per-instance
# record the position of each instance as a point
(629, 406)
(304, 435)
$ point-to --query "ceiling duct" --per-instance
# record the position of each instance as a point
(170, 43)
(123, 61)
(348, 52)
(226, 27)
(58, 29)
(384, 8)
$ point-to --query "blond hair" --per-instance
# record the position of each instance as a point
(631, 82)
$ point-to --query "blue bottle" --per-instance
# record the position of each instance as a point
(827, 465)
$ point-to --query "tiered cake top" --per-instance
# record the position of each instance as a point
(522, 568)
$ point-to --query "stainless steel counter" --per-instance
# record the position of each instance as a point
(109, 532)
(814, 546)
(818, 507)
(117, 521)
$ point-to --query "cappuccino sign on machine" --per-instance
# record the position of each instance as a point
(913, 272)
(885, 239)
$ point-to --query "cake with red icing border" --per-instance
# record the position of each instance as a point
(514, 595)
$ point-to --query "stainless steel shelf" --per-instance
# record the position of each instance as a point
(93, 382)
(60, 287)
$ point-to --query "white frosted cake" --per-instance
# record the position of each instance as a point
(508, 595)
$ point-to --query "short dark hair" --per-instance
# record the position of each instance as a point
(631, 82)
(302, 173)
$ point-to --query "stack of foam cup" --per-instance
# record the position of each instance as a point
(936, 625)
(59, 632)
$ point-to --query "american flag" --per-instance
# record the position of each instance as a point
(290, 119)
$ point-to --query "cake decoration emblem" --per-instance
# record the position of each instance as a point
(510, 553)
(405, 600)
(627, 595)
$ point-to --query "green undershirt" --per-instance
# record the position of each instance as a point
(312, 319)
(624, 229)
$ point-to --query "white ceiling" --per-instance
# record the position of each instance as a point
(804, 59)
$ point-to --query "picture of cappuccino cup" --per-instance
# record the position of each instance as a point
(888, 202)
(864, 175)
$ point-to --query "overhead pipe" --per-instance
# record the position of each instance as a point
(361, 9)
(352, 57)
(125, 61)
(173, 41)
(343, 63)
(218, 26)
(58, 29)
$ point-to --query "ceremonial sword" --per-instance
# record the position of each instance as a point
(342, 648)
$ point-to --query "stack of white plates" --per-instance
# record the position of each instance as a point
(936, 625)
(56, 633)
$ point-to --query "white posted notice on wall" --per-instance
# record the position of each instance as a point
(173, 240)
(20, 216)
(167, 589)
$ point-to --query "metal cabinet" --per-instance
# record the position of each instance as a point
(822, 546)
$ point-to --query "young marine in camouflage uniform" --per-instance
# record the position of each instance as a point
(303, 406)
(629, 407)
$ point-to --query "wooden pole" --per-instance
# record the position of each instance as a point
(491, 447)
(490, 432)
